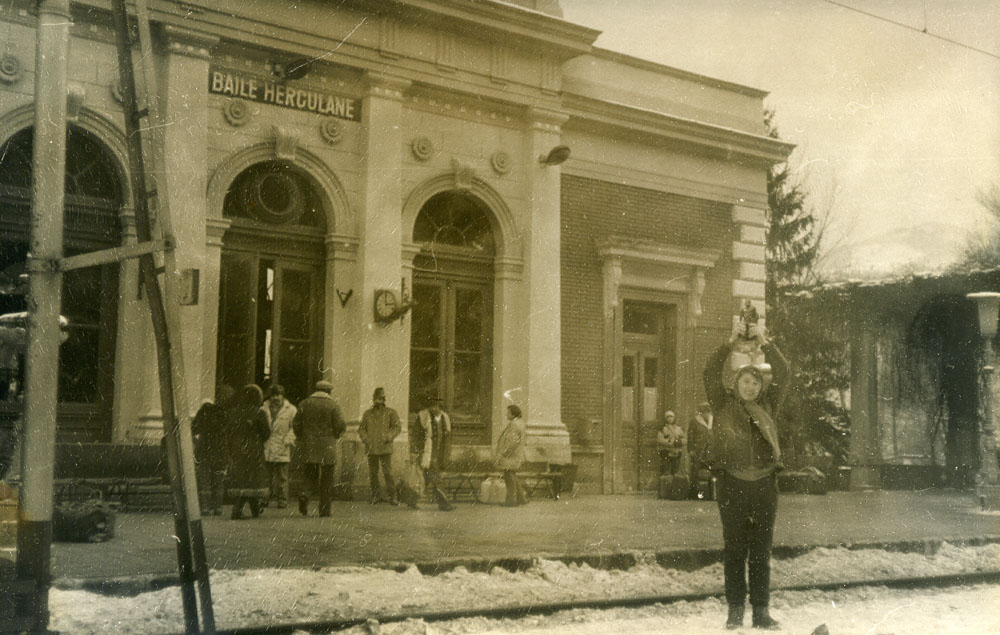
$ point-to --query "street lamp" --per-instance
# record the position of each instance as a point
(988, 480)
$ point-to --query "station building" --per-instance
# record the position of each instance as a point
(377, 193)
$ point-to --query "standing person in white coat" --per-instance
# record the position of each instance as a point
(278, 447)
(510, 455)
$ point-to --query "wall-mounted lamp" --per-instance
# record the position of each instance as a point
(556, 155)
(292, 69)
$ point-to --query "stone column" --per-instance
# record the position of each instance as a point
(211, 273)
(548, 439)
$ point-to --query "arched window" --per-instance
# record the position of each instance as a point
(90, 295)
(451, 345)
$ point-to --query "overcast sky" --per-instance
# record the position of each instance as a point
(896, 130)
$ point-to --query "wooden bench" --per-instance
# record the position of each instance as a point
(118, 491)
(466, 484)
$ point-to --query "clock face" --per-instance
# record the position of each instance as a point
(385, 303)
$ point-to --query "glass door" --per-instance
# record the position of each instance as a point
(450, 352)
(641, 403)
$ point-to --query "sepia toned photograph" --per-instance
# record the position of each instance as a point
(551, 317)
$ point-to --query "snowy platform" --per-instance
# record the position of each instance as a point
(602, 531)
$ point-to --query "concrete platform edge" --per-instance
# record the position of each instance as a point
(681, 559)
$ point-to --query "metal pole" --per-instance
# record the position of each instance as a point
(34, 535)
(151, 286)
(179, 440)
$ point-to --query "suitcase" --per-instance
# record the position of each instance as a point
(83, 521)
(674, 488)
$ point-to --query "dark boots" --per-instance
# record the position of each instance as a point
(762, 619)
(735, 619)
(442, 501)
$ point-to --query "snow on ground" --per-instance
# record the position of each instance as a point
(868, 610)
(268, 596)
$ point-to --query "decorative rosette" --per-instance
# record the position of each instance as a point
(500, 162)
(330, 130)
(423, 148)
(10, 69)
(236, 112)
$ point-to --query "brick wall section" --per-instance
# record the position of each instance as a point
(592, 210)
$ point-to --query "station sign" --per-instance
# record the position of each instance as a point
(223, 81)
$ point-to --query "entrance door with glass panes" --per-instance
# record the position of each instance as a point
(648, 379)
(269, 322)
(450, 349)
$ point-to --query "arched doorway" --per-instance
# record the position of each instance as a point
(90, 295)
(451, 342)
(272, 280)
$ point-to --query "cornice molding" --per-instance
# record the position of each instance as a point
(630, 250)
(545, 119)
(494, 21)
(386, 86)
(184, 41)
(594, 112)
(714, 82)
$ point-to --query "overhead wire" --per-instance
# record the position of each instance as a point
(924, 31)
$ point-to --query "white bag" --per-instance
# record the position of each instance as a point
(492, 491)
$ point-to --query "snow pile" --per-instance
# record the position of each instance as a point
(267, 596)
(862, 611)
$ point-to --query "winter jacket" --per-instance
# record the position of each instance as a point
(429, 440)
(209, 431)
(278, 447)
(510, 446)
(671, 440)
(246, 432)
(317, 426)
(379, 427)
(744, 438)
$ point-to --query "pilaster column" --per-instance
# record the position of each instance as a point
(343, 322)
(612, 270)
(133, 349)
(183, 99)
(211, 273)
(548, 438)
(384, 352)
(749, 256)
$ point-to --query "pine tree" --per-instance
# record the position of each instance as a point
(811, 422)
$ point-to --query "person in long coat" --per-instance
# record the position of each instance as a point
(317, 425)
(510, 455)
(744, 450)
(210, 450)
(247, 482)
(278, 447)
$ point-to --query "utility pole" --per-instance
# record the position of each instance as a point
(149, 193)
(34, 534)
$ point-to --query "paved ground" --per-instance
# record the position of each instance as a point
(584, 526)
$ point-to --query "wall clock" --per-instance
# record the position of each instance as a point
(386, 305)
